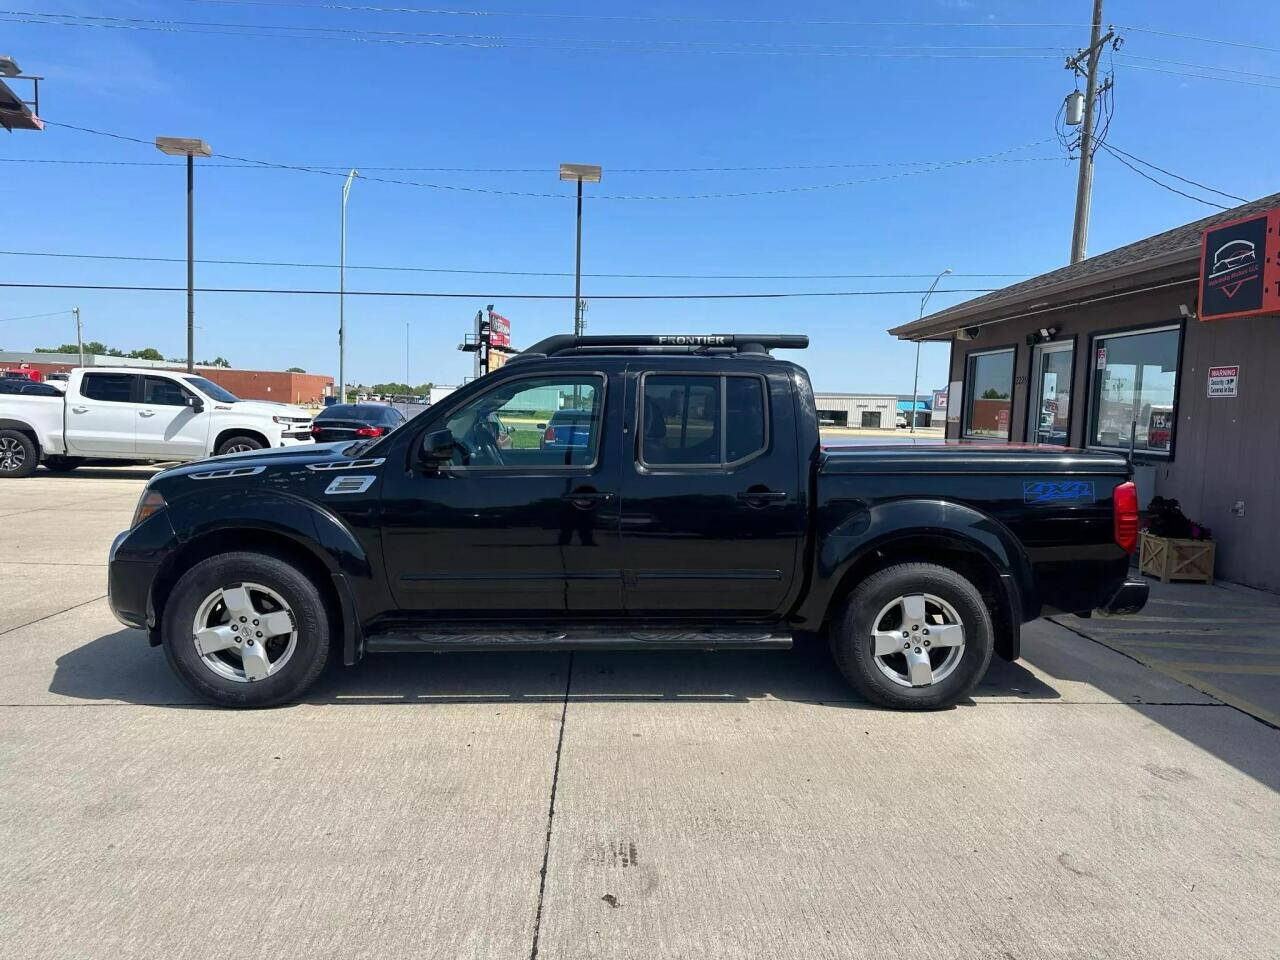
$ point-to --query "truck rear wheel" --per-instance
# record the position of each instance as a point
(915, 636)
(239, 444)
(246, 630)
(18, 456)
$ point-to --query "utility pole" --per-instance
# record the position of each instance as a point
(591, 174)
(1084, 185)
(915, 382)
(342, 293)
(79, 335)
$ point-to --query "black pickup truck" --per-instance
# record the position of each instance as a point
(691, 505)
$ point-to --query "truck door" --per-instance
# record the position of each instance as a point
(521, 523)
(712, 504)
(102, 414)
(167, 427)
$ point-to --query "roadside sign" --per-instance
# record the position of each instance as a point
(1102, 358)
(1240, 267)
(499, 330)
(1224, 381)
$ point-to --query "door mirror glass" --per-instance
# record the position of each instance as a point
(437, 446)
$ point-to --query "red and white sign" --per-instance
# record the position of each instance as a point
(1102, 358)
(1224, 381)
(1240, 267)
(499, 330)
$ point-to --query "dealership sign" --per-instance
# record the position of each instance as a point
(1240, 268)
(499, 330)
(1224, 381)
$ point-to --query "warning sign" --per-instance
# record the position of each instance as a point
(1224, 381)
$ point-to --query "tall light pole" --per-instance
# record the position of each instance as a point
(406, 353)
(342, 293)
(589, 173)
(915, 383)
(189, 147)
(79, 335)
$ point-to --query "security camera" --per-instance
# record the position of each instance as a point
(1187, 312)
(967, 333)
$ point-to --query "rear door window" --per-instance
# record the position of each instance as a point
(702, 421)
(113, 387)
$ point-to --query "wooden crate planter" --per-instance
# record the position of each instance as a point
(1172, 559)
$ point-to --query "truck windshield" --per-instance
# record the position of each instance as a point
(211, 389)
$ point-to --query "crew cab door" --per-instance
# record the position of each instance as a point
(712, 497)
(102, 414)
(516, 525)
(167, 425)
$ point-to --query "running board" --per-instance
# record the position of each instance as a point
(610, 638)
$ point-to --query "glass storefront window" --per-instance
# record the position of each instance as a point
(1135, 378)
(988, 391)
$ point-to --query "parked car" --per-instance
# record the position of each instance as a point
(566, 428)
(29, 388)
(701, 512)
(354, 421)
(127, 414)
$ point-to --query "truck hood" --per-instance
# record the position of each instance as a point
(287, 457)
(265, 409)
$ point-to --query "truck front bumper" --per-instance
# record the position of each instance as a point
(1128, 599)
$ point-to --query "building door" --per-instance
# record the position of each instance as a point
(1049, 406)
(871, 418)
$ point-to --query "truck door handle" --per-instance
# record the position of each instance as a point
(761, 498)
(146, 413)
(79, 409)
(587, 499)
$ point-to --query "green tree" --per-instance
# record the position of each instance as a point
(146, 353)
(91, 346)
(216, 362)
(991, 393)
(294, 370)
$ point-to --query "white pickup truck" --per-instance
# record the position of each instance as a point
(124, 413)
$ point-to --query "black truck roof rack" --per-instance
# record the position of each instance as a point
(567, 343)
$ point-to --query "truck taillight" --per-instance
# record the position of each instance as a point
(550, 435)
(315, 429)
(370, 431)
(1125, 510)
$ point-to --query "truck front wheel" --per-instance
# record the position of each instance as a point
(246, 630)
(18, 456)
(915, 636)
(241, 443)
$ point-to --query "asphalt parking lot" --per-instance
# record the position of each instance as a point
(628, 805)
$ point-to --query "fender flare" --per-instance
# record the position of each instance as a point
(863, 531)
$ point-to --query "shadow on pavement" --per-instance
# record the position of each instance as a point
(101, 473)
(122, 666)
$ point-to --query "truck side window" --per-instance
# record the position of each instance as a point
(702, 421)
(114, 387)
(521, 424)
(164, 392)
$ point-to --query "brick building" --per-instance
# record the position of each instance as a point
(278, 385)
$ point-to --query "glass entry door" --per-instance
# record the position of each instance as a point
(1049, 409)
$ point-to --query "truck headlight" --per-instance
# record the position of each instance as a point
(151, 503)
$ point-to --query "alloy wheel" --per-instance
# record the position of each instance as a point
(244, 632)
(917, 640)
(12, 455)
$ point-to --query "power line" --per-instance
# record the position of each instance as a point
(1199, 76)
(368, 8)
(1170, 173)
(404, 38)
(1202, 66)
(35, 316)
(999, 156)
(1158, 183)
(491, 295)
(1187, 36)
(505, 273)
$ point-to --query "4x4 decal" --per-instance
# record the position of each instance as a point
(1057, 491)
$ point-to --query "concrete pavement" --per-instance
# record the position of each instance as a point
(604, 804)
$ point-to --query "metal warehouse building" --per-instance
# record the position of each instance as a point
(857, 410)
(1166, 350)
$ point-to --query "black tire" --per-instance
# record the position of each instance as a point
(239, 443)
(59, 464)
(18, 454)
(311, 623)
(853, 647)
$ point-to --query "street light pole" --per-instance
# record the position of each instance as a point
(79, 335)
(406, 353)
(589, 173)
(189, 147)
(342, 293)
(915, 383)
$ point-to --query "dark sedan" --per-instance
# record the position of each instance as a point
(354, 421)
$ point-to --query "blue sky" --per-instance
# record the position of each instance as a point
(699, 102)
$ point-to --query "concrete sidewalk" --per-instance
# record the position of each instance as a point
(1222, 639)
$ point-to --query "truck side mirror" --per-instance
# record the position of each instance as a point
(196, 404)
(437, 447)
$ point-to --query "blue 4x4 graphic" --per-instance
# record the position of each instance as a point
(1057, 491)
